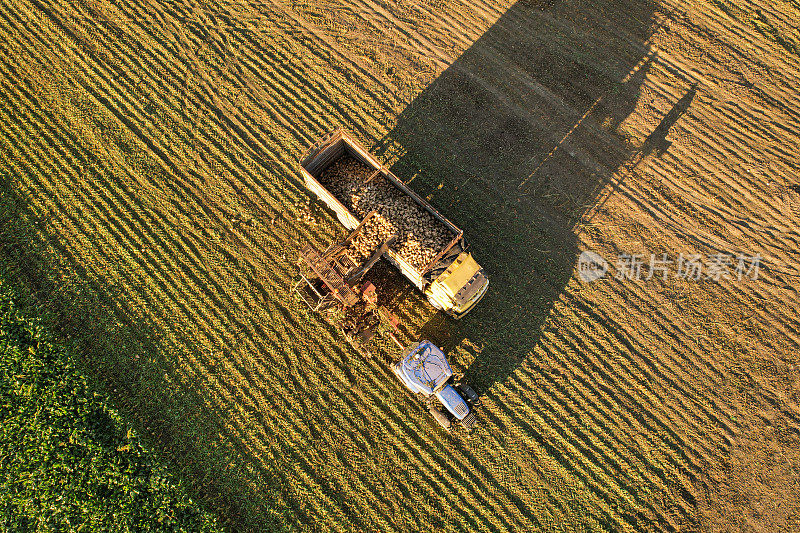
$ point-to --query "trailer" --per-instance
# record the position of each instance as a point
(430, 251)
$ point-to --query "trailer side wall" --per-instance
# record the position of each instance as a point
(319, 158)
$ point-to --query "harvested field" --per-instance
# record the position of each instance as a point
(152, 209)
(420, 236)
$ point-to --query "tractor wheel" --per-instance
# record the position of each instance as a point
(469, 394)
(440, 417)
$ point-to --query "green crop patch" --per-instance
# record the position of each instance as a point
(67, 460)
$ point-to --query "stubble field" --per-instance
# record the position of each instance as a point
(152, 209)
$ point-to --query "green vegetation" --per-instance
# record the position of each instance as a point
(67, 460)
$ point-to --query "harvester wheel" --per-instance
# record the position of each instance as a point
(435, 304)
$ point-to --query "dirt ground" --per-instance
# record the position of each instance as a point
(152, 208)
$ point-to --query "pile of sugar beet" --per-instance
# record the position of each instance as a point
(420, 236)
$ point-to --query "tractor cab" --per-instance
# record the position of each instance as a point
(424, 370)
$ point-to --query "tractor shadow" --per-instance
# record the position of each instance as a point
(514, 142)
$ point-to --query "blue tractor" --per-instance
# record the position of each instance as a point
(424, 370)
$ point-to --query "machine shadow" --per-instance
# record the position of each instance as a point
(513, 142)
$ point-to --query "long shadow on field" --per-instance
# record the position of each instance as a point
(513, 142)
